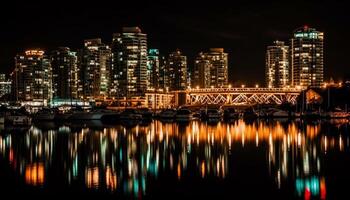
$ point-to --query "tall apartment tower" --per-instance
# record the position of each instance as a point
(129, 69)
(211, 69)
(64, 73)
(31, 77)
(94, 65)
(277, 65)
(177, 71)
(306, 55)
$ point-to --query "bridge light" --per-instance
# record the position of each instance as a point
(229, 86)
(270, 86)
(242, 86)
(257, 85)
(212, 87)
(197, 87)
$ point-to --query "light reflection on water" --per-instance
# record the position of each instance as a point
(127, 160)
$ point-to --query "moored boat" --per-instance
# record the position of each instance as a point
(183, 115)
(130, 114)
(167, 114)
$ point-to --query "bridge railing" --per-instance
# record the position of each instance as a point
(250, 90)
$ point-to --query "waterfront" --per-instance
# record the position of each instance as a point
(257, 159)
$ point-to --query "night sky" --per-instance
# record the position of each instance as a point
(244, 30)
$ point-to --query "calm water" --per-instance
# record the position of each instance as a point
(265, 159)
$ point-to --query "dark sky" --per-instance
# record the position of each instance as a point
(243, 29)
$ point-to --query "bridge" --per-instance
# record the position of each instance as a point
(242, 96)
(222, 96)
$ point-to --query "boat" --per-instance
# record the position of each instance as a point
(230, 113)
(130, 114)
(336, 113)
(18, 120)
(249, 114)
(146, 113)
(62, 116)
(183, 115)
(44, 114)
(167, 114)
(311, 115)
(277, 113)
(90, 115)
(213, 115)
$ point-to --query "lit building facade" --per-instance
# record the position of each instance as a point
(129, 70)
(211, 69)
(153, 69)
(277, 65)
(32, 79)
(64, 73)
(163, 73)
(94, 65)
(306, 49)
(5, 85)
(177, 71)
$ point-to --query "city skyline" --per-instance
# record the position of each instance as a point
(243, 35)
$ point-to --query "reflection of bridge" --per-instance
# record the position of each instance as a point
(221, 96)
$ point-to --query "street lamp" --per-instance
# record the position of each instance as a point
(257, 85)
(242, 86)
(229, 86)
(197, 87)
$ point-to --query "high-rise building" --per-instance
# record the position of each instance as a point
(153, 69)
(5, 85)
(94, 65)
(277, 65)
(211, 69)
(306, 53)
(163, 73)
(177, 71)
(129, 52)
(64, 73)
(32, 77)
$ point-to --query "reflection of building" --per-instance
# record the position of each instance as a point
(306, 51)
(64, 73)
(298, 160)
(32, 77)
(210, 69)
(5, 85)
(126, 159)
(94, 69)
(277, 65)
(177, 74)
(129, 50)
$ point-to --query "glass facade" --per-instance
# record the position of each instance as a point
(211, 69)
(307, 57)
(277, 65)
(64, 73)
(129, 68)
(32, 77)
(177, 74)
(95, 67)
